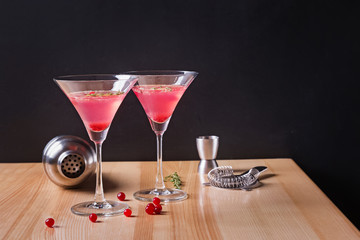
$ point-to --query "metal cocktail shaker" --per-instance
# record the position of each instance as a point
(68, 160)
(207, 147)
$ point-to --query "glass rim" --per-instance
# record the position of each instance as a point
(160, 72)
(91, 77)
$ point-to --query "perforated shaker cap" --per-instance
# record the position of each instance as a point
(68, 160)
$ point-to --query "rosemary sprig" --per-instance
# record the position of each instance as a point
(175, 179)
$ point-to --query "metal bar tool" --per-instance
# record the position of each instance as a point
(207, 147)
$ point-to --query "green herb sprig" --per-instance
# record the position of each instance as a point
(175, 179)
(103, 94)
(162, 88)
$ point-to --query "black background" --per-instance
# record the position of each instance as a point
(277, 79)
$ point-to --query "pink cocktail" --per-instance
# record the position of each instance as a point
(97, 97)
(159, 102)
(97, 108)
(159, 92)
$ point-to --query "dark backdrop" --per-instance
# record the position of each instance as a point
(277, 79)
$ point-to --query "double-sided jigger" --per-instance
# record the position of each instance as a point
(207, 147)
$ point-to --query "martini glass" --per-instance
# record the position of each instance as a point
(159, 92)
(97, 99)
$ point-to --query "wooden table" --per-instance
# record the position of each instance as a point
(287, 206)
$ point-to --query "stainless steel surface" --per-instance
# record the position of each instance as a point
(207, 147)
(206, 165)
(68, 160)
(223, 177)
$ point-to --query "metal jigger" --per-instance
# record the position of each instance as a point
(207, 147)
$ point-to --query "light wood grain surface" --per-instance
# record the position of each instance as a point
(287, 206)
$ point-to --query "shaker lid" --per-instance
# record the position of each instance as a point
(68, 160)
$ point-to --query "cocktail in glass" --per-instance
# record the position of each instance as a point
(159, 92)
(97, 99)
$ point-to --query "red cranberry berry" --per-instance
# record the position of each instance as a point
(127, 212)
(121, 196)
(150, 208)
(158, 209)
(156, 200)
(93, 217)
(49, 222)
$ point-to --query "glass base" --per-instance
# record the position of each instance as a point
(165, 195)
(107, 208)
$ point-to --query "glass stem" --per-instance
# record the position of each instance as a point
(159, 172)
(99, 191)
